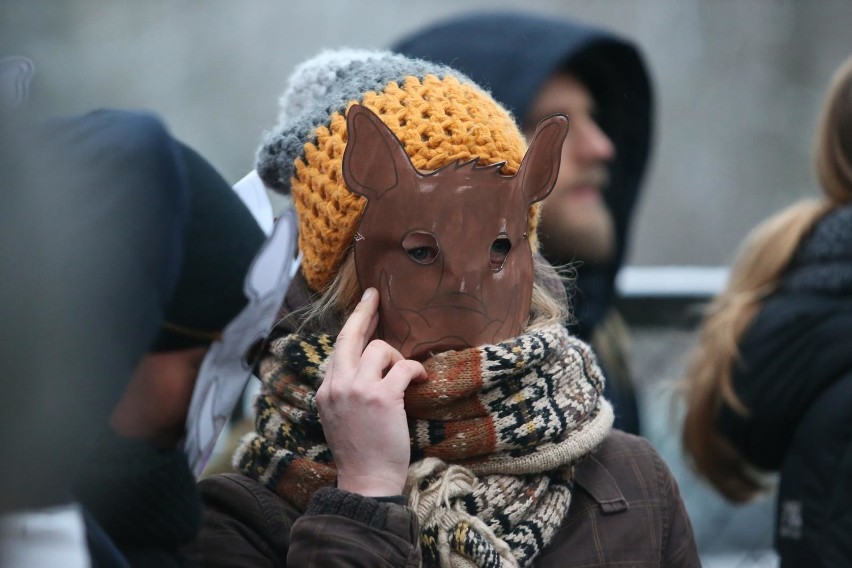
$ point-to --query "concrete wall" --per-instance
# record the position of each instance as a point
(738, 85)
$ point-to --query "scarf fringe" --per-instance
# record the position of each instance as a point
(436, 502)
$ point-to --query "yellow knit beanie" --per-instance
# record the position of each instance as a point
(438, 114)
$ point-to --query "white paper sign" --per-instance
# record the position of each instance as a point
(225, 371)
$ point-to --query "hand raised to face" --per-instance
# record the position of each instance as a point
(361, 407)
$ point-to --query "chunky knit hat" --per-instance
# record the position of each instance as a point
(438, 114)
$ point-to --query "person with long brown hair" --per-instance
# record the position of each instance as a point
(769, 384)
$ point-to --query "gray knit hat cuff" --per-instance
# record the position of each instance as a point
(323, 86)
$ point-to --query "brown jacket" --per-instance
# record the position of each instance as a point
(626, 511)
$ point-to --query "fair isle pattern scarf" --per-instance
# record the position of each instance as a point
(495, 433)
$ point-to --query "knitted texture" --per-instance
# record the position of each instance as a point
(439, 115)
(495, 431)
(329, 501)
(823, 262)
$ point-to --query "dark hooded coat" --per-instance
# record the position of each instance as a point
(513, 55)
(114, 227)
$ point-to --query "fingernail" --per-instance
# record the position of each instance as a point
(368, 294)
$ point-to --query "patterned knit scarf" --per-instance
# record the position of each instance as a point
(495, 433)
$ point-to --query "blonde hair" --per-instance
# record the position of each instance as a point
(334, 305)
(763, 257)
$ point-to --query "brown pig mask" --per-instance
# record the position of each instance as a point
(448, 251)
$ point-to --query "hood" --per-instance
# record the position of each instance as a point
(512, 55)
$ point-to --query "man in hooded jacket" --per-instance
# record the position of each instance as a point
(536, 67)
(113, 249)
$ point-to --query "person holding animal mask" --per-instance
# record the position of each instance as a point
(430, 408)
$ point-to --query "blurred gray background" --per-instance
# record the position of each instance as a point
(738, 84)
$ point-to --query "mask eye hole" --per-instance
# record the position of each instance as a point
(421, 247)
(499, 251)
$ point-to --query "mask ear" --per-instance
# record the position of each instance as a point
(374, 161)
(538, 171)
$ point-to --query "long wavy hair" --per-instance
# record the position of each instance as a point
(760, 264)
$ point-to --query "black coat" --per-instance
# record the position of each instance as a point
(795, 377)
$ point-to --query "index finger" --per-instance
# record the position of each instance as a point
(357, 330)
